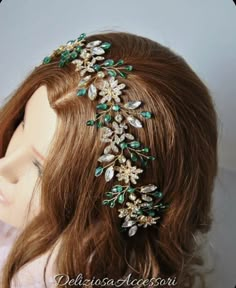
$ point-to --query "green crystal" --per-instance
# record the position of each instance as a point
(145, 149)
(74, 54)
(109, 194)
(131, 189)
(105, 202)
(129, 67)
(96, 67)
(151, 157)
(150, 204)
(117, 188)
(105, 45)
(82, 36)
(99, 124)
(134, 157)
(116, 107)
(107, 118)
(123, 145)
(121, 198)
(112, 73)
(151, 213)
(70, 42)
(47, 59)
(112, 204)
(102, 106)
(140, 212)
(90, 122)
(62, 63)
(120, 62)
(68, 59)
(78, 49)
(158, 205)
(134, 144)
(144, 163)
(98, 171)
(81, 92)
(65, 54)
(122, 74)
(146, 114)
(108, 62)
(158, 194)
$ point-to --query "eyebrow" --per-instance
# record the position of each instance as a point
(40, 156)
(37, 153)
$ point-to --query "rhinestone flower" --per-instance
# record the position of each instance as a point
(128, 173)
(111, 90)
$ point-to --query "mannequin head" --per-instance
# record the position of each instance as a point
(24, 159)
(183, 135)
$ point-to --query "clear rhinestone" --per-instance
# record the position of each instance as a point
(93, 43)
(146, 198)
(119, 131)
(122, 137)
(114, 148)
(127, 217)
(106, 130)
(107, 134)
(132, 197)
(117, 139)
(132, 104)
(84, 81)
(115, 125)
(129, 136)
(134, 122)
(144, 205)
(107, 149)
(109, 174)
(92, 92)
(97, 51)
(106, 158)
(100, 74)
(99, 58)
(118, 118)
(128, 223)
(148, 188)
(133, 230)
(122, 159)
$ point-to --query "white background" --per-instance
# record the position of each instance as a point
(203, 32)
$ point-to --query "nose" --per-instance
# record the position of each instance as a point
(10, 166)
(7, 171)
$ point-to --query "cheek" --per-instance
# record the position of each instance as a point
(26, 201)
(27, 196)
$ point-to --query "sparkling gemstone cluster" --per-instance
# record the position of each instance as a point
(124, 158)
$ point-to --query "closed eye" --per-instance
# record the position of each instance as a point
(38, 165)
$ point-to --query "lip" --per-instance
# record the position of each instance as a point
(3, 199)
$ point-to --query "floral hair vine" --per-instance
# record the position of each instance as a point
(143, 204)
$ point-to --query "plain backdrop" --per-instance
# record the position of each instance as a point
(203, 32)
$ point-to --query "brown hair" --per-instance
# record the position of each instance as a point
(183, 135)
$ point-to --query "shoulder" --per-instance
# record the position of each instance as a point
(32, 274)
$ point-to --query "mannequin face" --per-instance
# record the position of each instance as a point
(26, 152)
